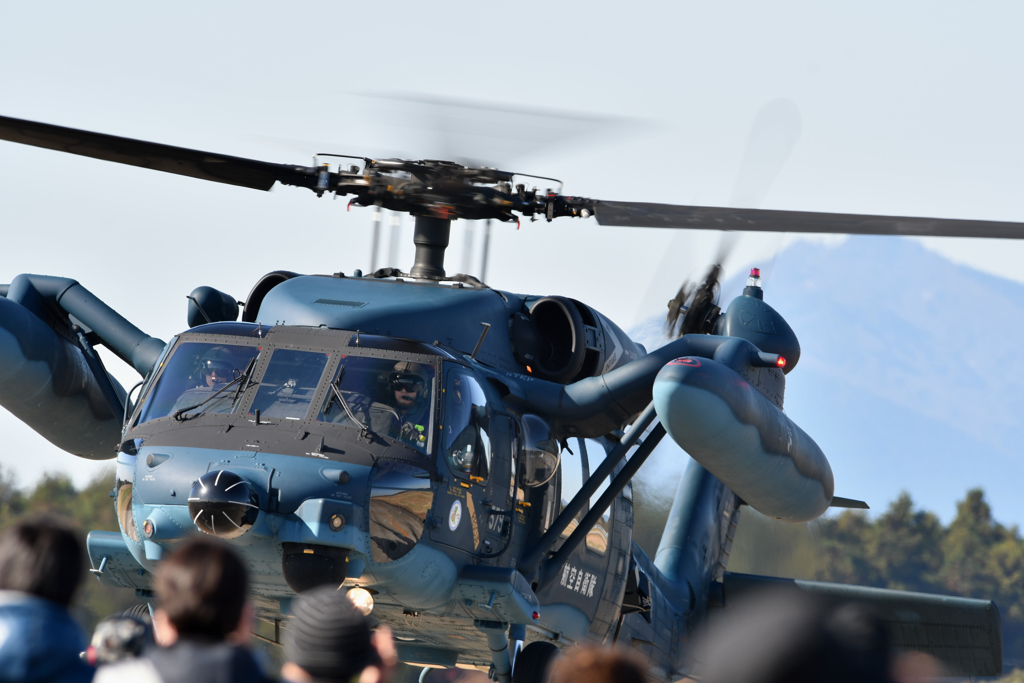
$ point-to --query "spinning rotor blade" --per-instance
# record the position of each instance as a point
(643, 215)
(773, 136)
(220, 168)
(483, 133)
(453, 190)
(694, 307)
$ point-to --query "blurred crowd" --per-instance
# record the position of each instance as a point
(198, 632)
(200, 626)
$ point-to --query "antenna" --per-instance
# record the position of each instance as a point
(487, 250)
(395, 238)
(376, 238)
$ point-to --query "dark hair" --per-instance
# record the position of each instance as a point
(202, 587)
(328, 637)
(592, 664)
(42, 555)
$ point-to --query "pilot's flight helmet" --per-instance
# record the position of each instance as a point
(217, 359)
(407, 375)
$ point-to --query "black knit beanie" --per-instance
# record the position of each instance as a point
(328, 637)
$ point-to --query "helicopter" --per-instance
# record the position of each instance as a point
(456, 457)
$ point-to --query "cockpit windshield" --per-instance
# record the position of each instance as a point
(288, 385)
(385, 397)
(200, 378)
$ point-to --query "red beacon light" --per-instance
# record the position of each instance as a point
(754, 280)
(781, 362)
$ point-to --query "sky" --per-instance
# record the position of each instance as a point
(908, 108)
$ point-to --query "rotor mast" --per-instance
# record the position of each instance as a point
(431, 237)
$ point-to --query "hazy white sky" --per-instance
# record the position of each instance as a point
(907, 108)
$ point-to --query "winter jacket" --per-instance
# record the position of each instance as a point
(39, 641)
(187, 661)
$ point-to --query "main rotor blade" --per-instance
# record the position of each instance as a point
(643, 215)
(220, 168)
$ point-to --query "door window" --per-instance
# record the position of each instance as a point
(597, 537)
(465, 439)
(573, 476)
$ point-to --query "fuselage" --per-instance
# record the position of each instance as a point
(352, 487)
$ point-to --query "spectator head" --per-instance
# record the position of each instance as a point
(591, 664)
(328, 638)
(201, 589)
(42, 555)
(786, 635)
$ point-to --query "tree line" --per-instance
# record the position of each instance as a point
(904, 548)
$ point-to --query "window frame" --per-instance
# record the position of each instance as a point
(331, 374)
(450, 369)
(257, 384)
(173, 349)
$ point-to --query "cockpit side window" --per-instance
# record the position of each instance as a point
(539, 462)
(465, 439)
(573, 476)
(289, 383)
(199, 378)
(388, 397)
(597, 537)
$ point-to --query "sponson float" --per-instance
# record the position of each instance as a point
(726, 412)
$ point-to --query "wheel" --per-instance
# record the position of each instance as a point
(140, 611)
(534, 661)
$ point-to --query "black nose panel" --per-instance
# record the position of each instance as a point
(308, 565)
(222, 504)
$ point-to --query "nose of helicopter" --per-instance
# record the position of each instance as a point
(314, 523)
(223, 504)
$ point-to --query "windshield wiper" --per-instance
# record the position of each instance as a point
(363, 429)
(247, 375)
(236, 382)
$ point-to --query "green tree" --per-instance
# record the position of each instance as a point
(967, 547)
(1006, 570)
(12, 501)
(905, 546)
(766, 546)
(846, 543)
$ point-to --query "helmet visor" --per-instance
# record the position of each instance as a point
(220, 368)
(405, 382)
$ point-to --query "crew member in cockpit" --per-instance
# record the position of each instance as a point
(407, 394)
(215, 369)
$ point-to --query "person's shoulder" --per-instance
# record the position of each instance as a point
(131, 671)
(192, 661)
(23, 618)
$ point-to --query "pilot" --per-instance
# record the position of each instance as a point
(215, 369)
(407, 394)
